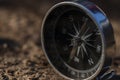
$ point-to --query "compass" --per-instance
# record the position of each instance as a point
(76, 39)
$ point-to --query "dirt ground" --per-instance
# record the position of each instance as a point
(21, 56)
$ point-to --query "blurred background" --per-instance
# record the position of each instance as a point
(21, 57)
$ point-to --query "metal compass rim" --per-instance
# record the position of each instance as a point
(79, 5)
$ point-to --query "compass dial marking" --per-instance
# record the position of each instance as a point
(90, 61)
(71, 18)
(97, 32)
(98, 49)
(76, 59)
(64, 31)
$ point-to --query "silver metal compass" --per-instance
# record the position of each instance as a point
(77, 38)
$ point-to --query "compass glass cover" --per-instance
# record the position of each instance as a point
(78, 40)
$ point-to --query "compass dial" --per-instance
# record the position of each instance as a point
(78, 40)
(75, 38)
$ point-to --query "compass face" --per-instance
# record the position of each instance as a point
(78, 40)
(72, 41)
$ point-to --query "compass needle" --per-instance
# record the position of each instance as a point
(91, 40)
(90, 44)
(83, 46)
(91, 52)
(86, 31)
(78, 50)
(71, 35)
(83, 26)
(87, 36)
(73, 51)
(82, 54)
(76, 30)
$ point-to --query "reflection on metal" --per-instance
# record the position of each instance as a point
(109, 72)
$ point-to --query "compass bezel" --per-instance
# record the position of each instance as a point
(102, 22)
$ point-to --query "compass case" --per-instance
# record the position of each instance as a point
(77, 51)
